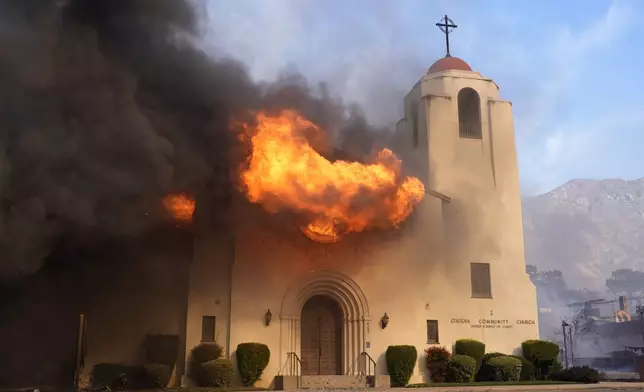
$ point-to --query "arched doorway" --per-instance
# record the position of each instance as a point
(354, 314)
(321, 334)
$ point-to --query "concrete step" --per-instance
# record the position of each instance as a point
(340, 381)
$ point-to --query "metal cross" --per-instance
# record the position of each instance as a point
(445, 26)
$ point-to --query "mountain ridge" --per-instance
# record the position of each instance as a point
(586, 228)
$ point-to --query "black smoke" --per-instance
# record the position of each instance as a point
(106, 106)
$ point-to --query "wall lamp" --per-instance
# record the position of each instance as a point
(384, 321)
(268, 317)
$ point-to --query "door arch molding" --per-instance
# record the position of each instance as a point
(353, 303)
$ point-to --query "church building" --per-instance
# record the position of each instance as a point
(327, 309)
(455, 269)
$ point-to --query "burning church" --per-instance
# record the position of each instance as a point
(329, 262)
(327, 255)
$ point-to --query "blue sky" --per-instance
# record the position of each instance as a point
(573, 69)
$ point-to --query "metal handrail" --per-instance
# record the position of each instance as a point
(366, 356)
(298, 368)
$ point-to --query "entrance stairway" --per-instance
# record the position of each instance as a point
(329, 382)
(291, 378)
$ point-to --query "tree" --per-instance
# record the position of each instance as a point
(532, 271)
(553, 286)
(580, 326)
(552, 280)
(626, 281)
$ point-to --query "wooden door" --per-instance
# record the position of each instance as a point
(321, 336)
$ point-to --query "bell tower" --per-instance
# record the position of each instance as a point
(457, 135)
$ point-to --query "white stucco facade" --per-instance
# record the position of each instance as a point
(420, 272)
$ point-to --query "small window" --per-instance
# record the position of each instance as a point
(481, 281)
(469, 114)
(208, 328)
(432, 331)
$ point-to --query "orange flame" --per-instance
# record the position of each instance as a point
(285, 173)
(180, 206)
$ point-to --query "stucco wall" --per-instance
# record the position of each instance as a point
(416, 273)
(139, 289)
(403, 273)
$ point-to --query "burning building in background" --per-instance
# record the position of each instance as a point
(168, 195)
(608, 333)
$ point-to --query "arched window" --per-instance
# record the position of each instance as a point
(469, 114)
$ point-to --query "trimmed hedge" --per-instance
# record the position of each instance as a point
(108, 374)
(485, 372)
(505, 368)
(206, 352)
(252, 359)
(527, 369)
(542, 354)
(217, 373)
(437, 359)
(583, 374)
(461, 368)
(400, 364)
(471, 348)
(158, 374)
(199, 356)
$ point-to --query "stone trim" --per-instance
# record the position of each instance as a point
(352, 301)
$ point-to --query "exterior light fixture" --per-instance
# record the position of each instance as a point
(268, 317)
(384, 321)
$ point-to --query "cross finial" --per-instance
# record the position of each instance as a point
(445, 25)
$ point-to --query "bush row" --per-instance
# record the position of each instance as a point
(471, 363)
(161, 352)
(208, 368)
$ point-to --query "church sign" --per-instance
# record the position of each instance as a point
(491, 323)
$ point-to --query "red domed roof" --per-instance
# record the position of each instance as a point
(449, 63)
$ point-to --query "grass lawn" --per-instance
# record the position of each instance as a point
(487, 384)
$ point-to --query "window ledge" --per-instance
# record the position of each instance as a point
(482, 297)
(433, 342)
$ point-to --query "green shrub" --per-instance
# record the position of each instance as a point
(461, 368)
(400, 364)
(252, 359)
(527, 369)
(505, 368)
(217, 373)
(582, 374)
(157, 374)
(485, 372)
(108, 374)
(471, 348)
(437, 359)
(200, 354)
(542, 354)
(206, 352)
(555, 367)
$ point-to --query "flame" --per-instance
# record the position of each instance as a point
(284, 172)
(180, 206)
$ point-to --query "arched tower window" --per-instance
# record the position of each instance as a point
(469, 114)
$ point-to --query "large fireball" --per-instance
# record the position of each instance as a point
(284, 172)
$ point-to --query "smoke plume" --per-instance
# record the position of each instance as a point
(107, 106)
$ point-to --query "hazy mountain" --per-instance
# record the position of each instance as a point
(586, 229)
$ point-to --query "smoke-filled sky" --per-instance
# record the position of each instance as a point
(572, 69)
(107, 106)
